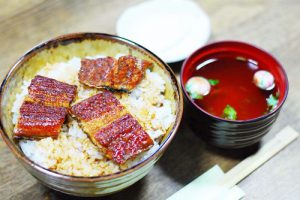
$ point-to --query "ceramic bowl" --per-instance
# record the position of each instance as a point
(61, 49)
(227, 133)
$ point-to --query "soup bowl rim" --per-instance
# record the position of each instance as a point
(228, 42)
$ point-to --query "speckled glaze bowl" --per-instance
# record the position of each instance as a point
(224, 133)
(61, 49)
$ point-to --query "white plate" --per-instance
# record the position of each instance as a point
(172, 29)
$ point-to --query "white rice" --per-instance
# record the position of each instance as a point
(72, 152)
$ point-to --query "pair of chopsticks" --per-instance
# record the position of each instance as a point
(266, 152)
(215, 185)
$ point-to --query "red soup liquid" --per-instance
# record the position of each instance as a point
(235, 87)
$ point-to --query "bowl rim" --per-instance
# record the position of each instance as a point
(226, 43)
(81, 36)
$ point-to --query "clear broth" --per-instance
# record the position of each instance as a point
(235, 87)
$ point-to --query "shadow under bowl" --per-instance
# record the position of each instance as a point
(225, 133)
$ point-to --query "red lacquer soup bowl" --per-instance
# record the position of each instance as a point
(240, 132)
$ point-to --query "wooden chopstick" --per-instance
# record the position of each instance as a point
(248, 165)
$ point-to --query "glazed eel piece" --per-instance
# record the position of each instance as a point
(44, 109)
(109, 125)
(123, 74)
(50, 92)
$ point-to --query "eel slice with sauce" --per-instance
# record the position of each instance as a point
(97, 111)
(123, 139)
(122, 74)
(109, 125)
(44, 109)
(38, 121)
(50, 92)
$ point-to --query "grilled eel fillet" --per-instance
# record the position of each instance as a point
(37, 121)
(109, 125)
(50, 92)
(44, 109)
(124, 73)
